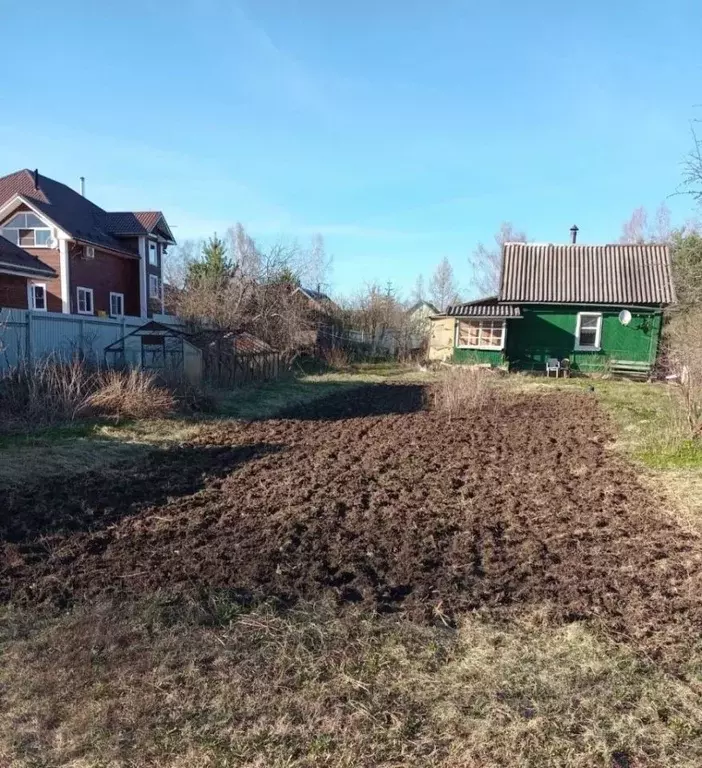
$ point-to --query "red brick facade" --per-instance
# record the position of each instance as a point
(52, 258)
(106, 273)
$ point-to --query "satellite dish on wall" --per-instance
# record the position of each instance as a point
(625, 317)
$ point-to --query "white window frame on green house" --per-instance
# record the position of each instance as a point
(597, 346)
(154, 287)
(482, 340)
(153, 253)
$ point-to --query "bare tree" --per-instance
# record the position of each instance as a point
(692, 167)
(419, 292)
(257, 295)
(442, 286)
(243, 250)
(637, 229)
(175, 265)
(318, 265)
(374, 312)
(486, 262)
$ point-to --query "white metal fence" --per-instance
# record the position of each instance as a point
(27, 335)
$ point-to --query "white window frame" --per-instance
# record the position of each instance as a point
(92, 301)
(153, 243)
(598, 334)
(154, 293)
(114, 295)
(30, 296)
(5, 230)
(480, 321)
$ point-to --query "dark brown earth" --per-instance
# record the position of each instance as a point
(519, 504)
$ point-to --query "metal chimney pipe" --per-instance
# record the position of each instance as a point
(573, 234)
(82, 185)
(36, 178)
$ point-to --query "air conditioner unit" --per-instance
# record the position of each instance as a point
(89, 252)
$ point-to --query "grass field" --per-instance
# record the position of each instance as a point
(549, 640)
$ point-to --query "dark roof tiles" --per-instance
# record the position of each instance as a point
(78, 216)
(18, 260)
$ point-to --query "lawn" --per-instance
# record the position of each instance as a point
(352, 579)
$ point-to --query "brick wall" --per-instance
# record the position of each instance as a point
(52, 258)
(105, 273)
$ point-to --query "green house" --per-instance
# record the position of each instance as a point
(598, 307)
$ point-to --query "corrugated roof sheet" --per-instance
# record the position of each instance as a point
(586, 274)
(487, 307)
(18, 260)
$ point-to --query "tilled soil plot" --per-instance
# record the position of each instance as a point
(517, 504)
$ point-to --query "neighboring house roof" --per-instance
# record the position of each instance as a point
(238, 342)
(79, 217)
(314, 295)
(487, 307)
(322, 300)
(16, 259)
(421, 304)
(245, 343)
(586, 274)
(137, 223)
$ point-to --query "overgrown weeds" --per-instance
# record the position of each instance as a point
(462, 387)
(684, 335)
(51, 391)
(128, 394)
(336, 358)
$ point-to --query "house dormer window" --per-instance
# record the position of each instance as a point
(27, 230)
(153, 254)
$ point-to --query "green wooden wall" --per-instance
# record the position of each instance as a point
(479, 356)
(549, 331)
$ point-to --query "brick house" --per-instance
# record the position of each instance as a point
(59, 252)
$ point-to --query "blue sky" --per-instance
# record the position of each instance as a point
(403, 131)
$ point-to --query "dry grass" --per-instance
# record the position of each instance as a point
(210, 684)
(462, 386)
(128, 394)
(52, 392)
(336, 358)
(45, 392)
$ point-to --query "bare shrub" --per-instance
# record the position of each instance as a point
(462, 387)
(685, 355)
(336, 357)
(128, 394)
(52, 392)
(45, 392)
